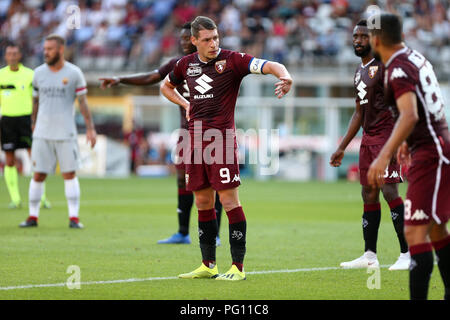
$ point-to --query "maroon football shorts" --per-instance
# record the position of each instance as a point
(367, 155)
(428, 195)
(210, 167)
(179, 160)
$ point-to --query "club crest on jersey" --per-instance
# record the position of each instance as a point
(194, 71)
(220, 65)
(65, 81)
(357, 77)
(372, 71)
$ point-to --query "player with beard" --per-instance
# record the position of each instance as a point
(376, 120)
(185, 197)
(213, 76)
(411, 86)
(56, 84)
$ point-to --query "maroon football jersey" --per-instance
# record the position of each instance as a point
(214, 86)
(182, 89)
(408, 70)
(377, 121)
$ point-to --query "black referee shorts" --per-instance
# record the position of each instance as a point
(15, 132)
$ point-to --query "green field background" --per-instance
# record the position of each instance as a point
(290, 226)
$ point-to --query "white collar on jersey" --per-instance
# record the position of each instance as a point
(220, 49)
(365, 65)
(398, 52)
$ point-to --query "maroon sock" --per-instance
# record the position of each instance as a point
(240, 266)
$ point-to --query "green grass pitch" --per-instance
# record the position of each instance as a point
(294, 229)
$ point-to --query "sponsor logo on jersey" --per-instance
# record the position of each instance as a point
(194, 64)
(203, 85)
(357, 77)
(372, 71)
(65, 81)
(362, 92)
(398, 73)
(194, 71)
(220, 65)
(419, 215)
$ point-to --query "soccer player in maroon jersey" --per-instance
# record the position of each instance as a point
(374, 115)
(213, 76)
(185, 197)
(411, 86)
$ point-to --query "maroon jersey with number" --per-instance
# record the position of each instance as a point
(182, 89)
(429, 174)
(377, 121)
(408, 70)
(213, 86)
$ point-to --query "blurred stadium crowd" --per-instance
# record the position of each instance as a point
(137, 35)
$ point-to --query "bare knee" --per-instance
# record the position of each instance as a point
(390, 192)
(9, 161)
(204, 201)
(370, 195)
(416, 234)
(438, 232)
(39, 177)
(229, 201)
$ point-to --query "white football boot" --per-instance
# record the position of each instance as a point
(367, 260)
(402, 262)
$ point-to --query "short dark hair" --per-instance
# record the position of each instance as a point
(56, 37)
(13, 45)
(187, 25)
(390, 28)
(202, 23)
(362, 23)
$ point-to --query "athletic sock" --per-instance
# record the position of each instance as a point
(237, 235)
(34, 198)
(420, 270)
(442, 249)
(207, 232)
(218, 207)
(371, 222)
(72, 191)
(397, 215)
(44, 197)
(185, 201)
(12, 183)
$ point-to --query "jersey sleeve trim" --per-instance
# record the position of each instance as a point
(80, 91)
(174, 80)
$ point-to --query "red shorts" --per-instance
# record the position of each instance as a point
(217, 168)
(428, 195)
(367, 154)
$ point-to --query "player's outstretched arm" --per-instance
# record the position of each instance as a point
(352, 130)
(91, 134)
(139, 79)
(407, 107)
(278, 70)
(168, 91)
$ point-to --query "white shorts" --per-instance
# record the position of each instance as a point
(45, 153)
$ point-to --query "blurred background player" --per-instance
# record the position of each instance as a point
(56, 84)
(185, 197)
(374, 115)
(411, 86)
(213, 76)
(16, 108)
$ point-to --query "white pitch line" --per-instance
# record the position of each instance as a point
(31, 286)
